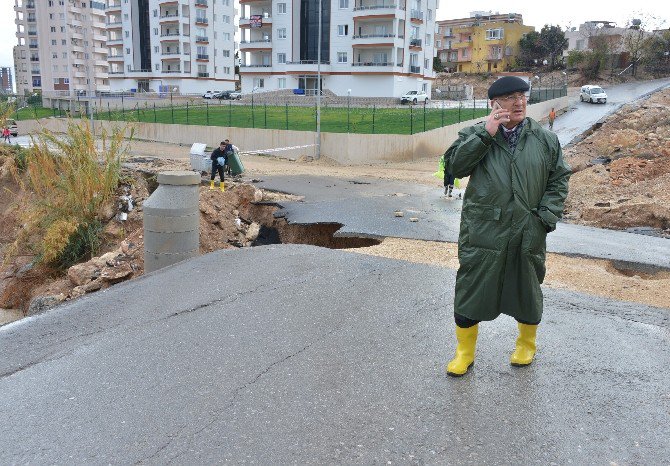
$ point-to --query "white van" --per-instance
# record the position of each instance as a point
(593, 94)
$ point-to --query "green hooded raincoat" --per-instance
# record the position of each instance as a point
(511, 202)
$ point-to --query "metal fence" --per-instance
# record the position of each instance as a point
(338, 116)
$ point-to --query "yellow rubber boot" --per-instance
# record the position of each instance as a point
(223, 188)
(211, 184)
(525, 345)
(465, 351)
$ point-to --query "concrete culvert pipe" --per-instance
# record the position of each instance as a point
(172, 220)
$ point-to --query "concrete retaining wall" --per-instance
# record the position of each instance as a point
(345, 148)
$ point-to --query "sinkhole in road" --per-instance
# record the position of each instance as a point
(275, 229)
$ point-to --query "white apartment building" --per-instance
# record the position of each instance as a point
(180, 46)
(61, 47)
(371, 48)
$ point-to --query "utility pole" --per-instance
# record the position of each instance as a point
(318, 90)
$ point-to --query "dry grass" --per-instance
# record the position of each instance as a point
(70, 178)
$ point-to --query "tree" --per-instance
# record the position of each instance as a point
(438, 67)
(552, 43)
(656, 53)
(530, 49)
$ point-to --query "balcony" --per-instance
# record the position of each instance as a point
(414, 69)
(415, 43)
(202, 39)
(171, 52)
(33, 46)
(32, 33)
(200, 20)
(371, 10)
(30, 5)
(202, 56)
(115, 71)
(383, 40)
(382, 64)
(495, 57)
(170, 34)
(31, 19)
(114, 57)
(171, 71)
(201, 3)
(34, 59)
(116, 41)
(203, 75)
(167, 17)
(114, 6)
(416, 15)
(256, 44)
(114, 25)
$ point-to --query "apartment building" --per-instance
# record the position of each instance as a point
(180, 46)
(374, 48)
(483, 42)
(61, 47)
(6, 81)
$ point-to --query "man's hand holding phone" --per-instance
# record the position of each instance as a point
(497, 116)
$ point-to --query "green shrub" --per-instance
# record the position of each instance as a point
(83, 244)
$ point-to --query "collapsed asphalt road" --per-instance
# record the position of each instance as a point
(293, 353)
(365, 208)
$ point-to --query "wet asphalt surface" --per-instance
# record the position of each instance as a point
(293, 353)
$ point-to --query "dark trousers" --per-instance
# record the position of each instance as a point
(464, 322)
(216, 167)
(448, 178)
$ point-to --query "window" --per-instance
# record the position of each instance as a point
(439, 44)
(281, 83)
(226, 36)
(281, 58)
(226, 53)
(54, 42)
(281, 8)
(53, 29)
(63, 41)
(156, 48)
(259, 82)
(125, 16)
(64, 54)
(281, 33)
(341, 57)
(127, 51)
(156, 67)
(226, 69)
(54, 55)
(344, 4)
(426, 63)
(155, 31)
(342, 29)
(155, 13)
(430, 14)
(127, 33)
(226, 19)
(492, 34)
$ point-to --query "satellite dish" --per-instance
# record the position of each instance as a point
(637, 22)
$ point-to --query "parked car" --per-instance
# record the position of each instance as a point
(211, 94)
(223, 95)
(414, 97)
(13, 128)
(235, 95)
(593, 94)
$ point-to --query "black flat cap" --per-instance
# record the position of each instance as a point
(507, 85)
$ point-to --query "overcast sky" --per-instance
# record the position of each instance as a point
(535, 13)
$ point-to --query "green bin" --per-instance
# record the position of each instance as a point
(236, 167)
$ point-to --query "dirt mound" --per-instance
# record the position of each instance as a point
(622, 170)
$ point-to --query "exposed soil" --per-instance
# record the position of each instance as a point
(623, 169)
(629, 190)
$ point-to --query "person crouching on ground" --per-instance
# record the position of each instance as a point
(515, 195)
(219, 160)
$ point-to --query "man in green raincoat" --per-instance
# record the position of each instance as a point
(518, 184)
